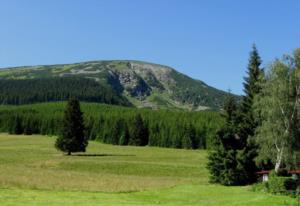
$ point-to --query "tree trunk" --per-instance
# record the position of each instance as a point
(69, 152)
(278, 160)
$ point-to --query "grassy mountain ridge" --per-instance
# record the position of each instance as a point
(143, 84)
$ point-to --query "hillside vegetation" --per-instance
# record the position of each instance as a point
(34, 173)
(27, 91)
(110, 124)
(143, 84)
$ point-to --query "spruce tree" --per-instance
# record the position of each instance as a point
(189, 141)
(140, 134)
(235, 149)
(28, 127)
(222, 163)
(117, 131)
(246, 118)
(252, 88)
(16, 125)
(125, 137)
(72, 137)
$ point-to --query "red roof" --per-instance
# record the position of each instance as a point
(297, 171)
(263, 172)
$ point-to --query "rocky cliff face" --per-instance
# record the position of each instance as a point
(144, 84)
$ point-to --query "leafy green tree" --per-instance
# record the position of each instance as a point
(278, 105)
(72, 137)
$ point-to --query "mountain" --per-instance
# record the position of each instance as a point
(138, 83)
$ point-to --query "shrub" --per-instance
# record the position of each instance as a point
(281, 185)
(291, 184)
(260, 187)
(276, 184)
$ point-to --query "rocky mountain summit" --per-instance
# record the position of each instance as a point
(143, 84)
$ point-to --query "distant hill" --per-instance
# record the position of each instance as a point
(130, 83)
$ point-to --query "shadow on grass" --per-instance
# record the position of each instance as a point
(103, 155)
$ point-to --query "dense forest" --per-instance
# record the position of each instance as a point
(261, 132)
(27, 91)
(117, 125)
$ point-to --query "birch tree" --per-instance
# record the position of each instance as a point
(277, 106)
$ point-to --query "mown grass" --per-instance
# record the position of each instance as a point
(33, 172)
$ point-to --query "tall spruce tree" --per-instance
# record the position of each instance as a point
(72, 137)
(247, 121)
(235, 150)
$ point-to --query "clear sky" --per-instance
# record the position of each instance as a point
(208, 40)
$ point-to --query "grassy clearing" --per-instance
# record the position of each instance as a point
(32, 172)
(33, 162)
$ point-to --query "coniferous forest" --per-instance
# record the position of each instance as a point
(118, 125)
(27, 91)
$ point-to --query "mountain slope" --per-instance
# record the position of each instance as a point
(143, 84)
(27, 91)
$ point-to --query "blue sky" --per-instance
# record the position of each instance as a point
(207, 40)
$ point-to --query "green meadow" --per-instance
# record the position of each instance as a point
(33, 172)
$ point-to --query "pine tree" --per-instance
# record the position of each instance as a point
(124, 140)
(117, 131)
(228, 134)
(189, 141)
(252, 88)
(140, 134)
(247, 120)
(222, 162)
(72, 137)
(28, 127)
(16, 125)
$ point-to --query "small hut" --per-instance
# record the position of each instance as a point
(264, 175)
(295, 173)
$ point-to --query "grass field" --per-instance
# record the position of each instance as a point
(32, 172)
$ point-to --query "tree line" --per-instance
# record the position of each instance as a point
(261, 132)
(118, 125)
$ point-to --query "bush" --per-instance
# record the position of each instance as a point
(260, 187)
(282, 185)
(291, 184)
(276, 184)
